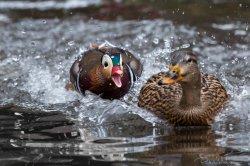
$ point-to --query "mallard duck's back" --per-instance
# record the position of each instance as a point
(213, 94)
(159, 98)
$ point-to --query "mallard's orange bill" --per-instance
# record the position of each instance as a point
(167, 80)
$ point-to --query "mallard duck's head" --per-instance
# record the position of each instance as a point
(183, 68)
(112, 68)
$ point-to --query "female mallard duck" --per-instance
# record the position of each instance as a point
(105, 70)
(184, 95)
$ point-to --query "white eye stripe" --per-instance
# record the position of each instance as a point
(120, 60)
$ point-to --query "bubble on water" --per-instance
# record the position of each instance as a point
(37, 57)
(230, 126)
(156, 41)
(71, 43)
(167, 43)
(235, 60)
(33, 43)
(57, 77)
(44, 21)
(185, 46)
(15, 58)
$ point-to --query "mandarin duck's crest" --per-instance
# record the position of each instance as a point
(105, 70)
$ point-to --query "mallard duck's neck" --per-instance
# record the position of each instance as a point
(191, 94)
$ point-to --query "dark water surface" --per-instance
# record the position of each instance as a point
(43, 124)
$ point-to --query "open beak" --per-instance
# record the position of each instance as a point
(174, 75)
(117, 75)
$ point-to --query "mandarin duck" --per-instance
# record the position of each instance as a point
(105, 70)
(184, 96)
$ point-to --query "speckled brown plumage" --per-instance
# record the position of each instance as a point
(167, 102)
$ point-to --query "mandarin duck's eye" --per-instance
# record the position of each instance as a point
(106, 61)
(105, 64)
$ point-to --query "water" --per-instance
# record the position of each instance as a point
(43, 124)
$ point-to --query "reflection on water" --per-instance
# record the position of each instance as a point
(43, 124)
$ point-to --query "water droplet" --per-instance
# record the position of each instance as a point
(183, 13)
(167, 43)
(185, 46)
(33, 43)
(71, 43)
(125, 97)
(240, 5)
(15, 58)
(57, 77)
(15, 84)
(230, 126)
(37, 57)
(156, 41)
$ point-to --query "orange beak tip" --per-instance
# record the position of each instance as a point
(168, 80)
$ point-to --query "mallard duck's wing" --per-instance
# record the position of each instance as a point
(159, 99)
(213, 94)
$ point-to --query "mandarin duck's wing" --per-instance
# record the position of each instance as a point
(83, 65)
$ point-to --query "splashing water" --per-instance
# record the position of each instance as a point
(41, 70)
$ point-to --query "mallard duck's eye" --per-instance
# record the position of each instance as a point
(191, 60)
